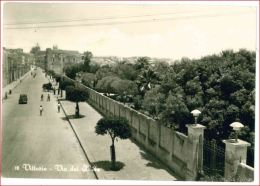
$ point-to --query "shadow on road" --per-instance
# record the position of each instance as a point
(72, 116)
(106, 165)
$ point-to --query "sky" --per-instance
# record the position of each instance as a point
(155, 29)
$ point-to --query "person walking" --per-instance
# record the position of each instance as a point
(42, 97)
(59, 107)
(48, 98)
(41, 110)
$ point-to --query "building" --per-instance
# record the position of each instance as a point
(58, 60)
(15, 64)
(40, 59)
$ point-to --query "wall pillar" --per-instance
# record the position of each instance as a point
(235, 153)
(194, 151)
(147, 132)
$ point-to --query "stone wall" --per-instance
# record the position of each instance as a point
(245, 173)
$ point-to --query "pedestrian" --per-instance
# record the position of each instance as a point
(54, 91)
(42, 97)
(48, 98)
(41, 110)
(58, 107)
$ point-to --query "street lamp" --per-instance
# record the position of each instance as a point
(195, 114)
(236, 127)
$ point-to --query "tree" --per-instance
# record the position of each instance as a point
(89, 79)
(76, 94)
(72, 70)
(115, 127)
(51, 73)
(104, 71)
(142, 63)
(154, 101)
(57, 77)
(64, 83)
(125, 70)
(121, 86)
(105, 84)
(87, 59)
(146, 79)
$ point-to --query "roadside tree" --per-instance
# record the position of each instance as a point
(76, 94)
(115, 127)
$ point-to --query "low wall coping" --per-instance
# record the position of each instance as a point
(246, 166)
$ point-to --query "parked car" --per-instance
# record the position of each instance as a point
(47, 87)
(23, 99)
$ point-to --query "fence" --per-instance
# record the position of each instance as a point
(213, 158)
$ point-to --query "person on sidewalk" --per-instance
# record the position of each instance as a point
(48, 98)
(42, 97)
(58, 107)
(41, 110)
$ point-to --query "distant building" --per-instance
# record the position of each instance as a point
(40, 59)
(15, 64)
(57, 59)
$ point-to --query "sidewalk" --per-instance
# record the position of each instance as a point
(12, 85)
(137, 164)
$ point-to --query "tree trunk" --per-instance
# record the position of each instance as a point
(77, 110)
(113, 155)
(61, 94)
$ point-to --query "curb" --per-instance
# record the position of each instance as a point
(88, 157)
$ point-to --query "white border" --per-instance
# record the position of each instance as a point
(14, 181)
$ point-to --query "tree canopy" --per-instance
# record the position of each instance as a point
(64, 83)
(76, 94)
(116, 127)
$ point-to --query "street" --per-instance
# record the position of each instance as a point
(37, 146)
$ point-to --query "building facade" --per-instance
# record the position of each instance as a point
(40, 59)
(15, 64)
(58, 60)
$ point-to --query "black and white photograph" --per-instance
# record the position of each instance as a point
(147, 92)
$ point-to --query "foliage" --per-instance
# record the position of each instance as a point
(105, 84)
(64, 83)
(104, 71)
(51, 73)
(89, 79)
(142, 63)
(126, 87)
(57, 77)
(154, 101)
(146, 80)
(72, 70)
(87, 59)
(76, 94)
(116, 127)
(125, 70)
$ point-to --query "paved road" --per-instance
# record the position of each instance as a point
(37, 146)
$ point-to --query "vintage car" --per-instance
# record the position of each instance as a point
(23, 99)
